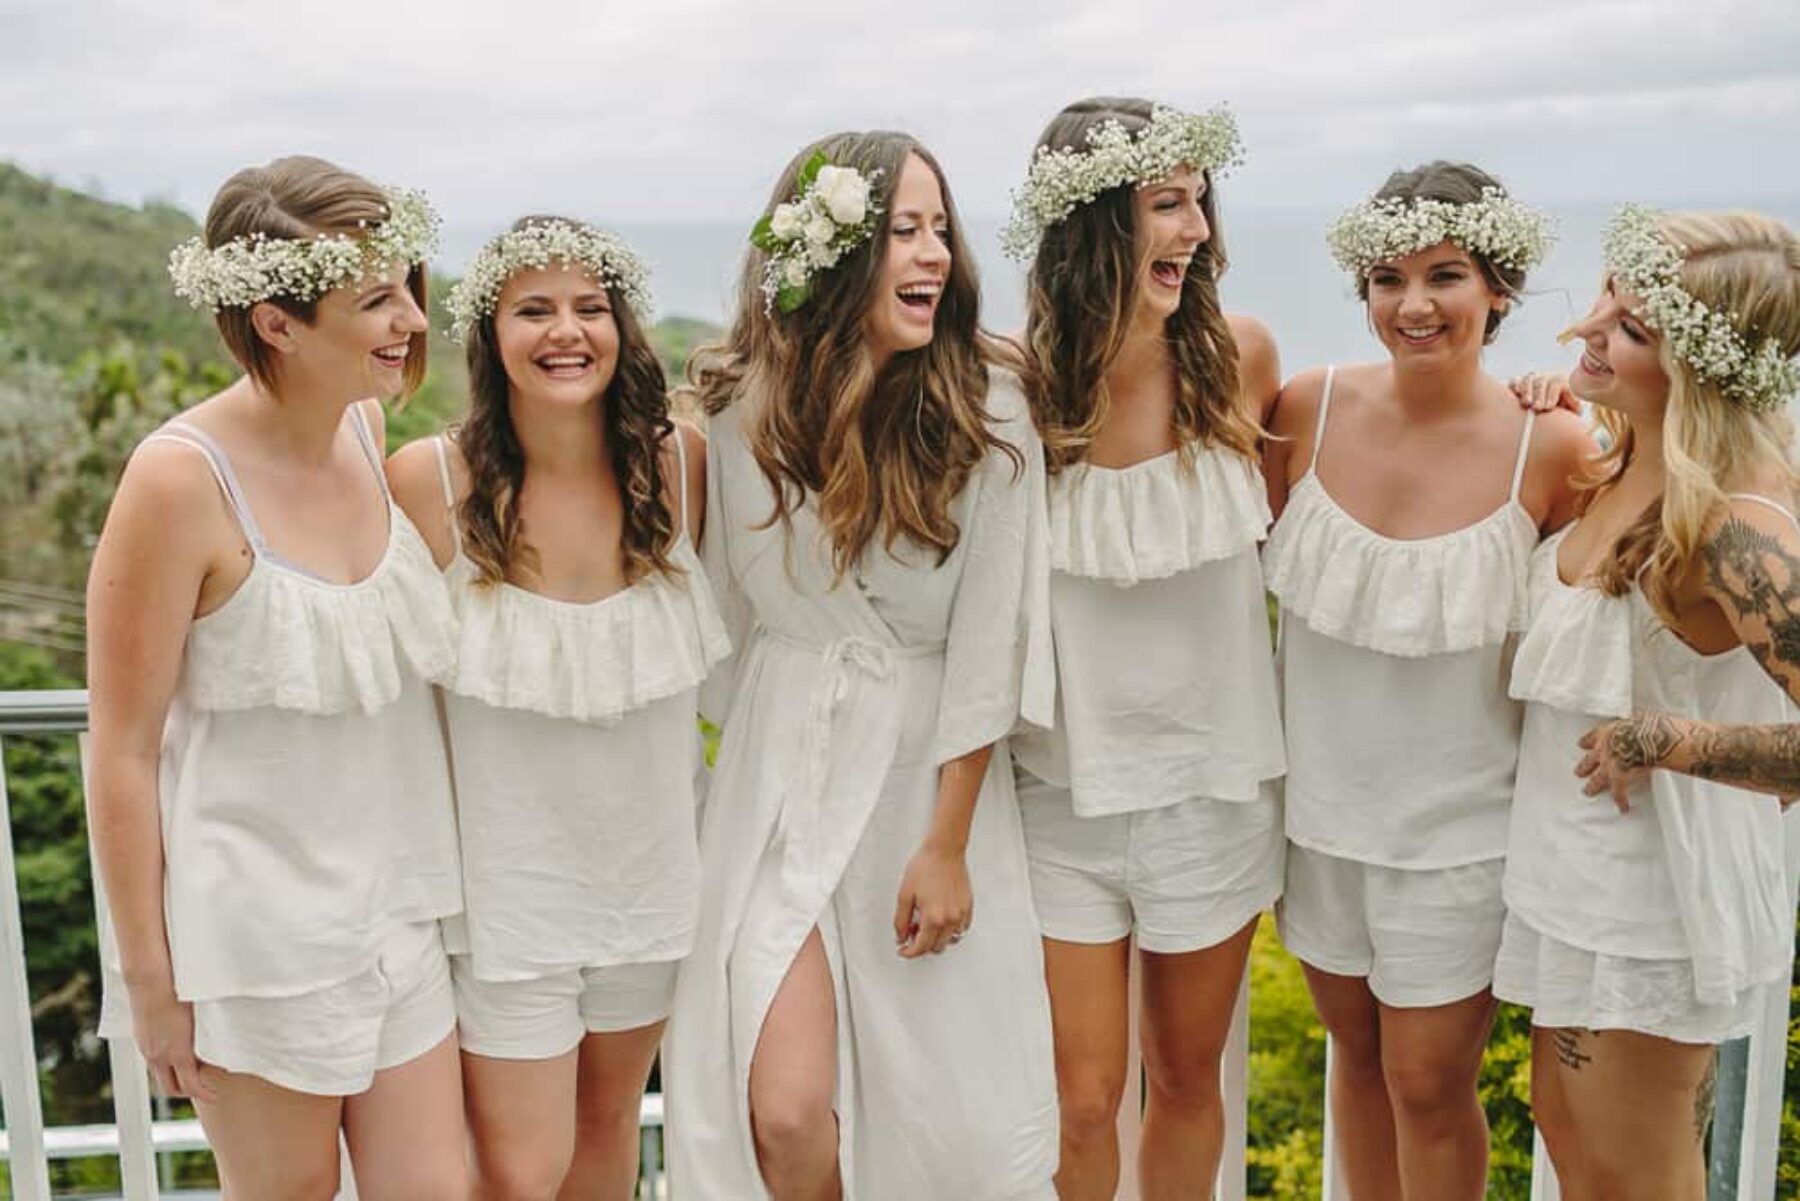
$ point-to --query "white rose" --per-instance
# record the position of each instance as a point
(820, 230)
(785, 222)
(844, 193)
(795, 272)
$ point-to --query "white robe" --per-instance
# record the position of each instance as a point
(839, 708)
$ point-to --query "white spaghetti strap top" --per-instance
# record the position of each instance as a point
(572, 730)
(1401, 739)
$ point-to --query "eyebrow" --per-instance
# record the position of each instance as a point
(919, 214)
(545, 298)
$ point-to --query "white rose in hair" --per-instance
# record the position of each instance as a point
(785, 222)
(796, 272)
(820, 230)
(845, 194)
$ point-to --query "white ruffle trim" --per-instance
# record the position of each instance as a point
(1576, 652)
(1410, 597)
(590, 662)
(287, 641)
(1154, 519)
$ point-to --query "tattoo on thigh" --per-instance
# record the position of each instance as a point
(1704, 1097)
(1570, 1048)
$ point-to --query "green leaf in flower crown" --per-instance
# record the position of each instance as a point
(791, 297)
(762, 234)
(810, 171)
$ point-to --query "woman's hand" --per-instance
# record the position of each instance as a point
(935, 905)
(1620, 754)
(1542, 391)
(163, 1026)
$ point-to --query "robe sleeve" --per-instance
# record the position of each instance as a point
(723, 442)
(998, 665)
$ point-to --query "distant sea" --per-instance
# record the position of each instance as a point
(1280, 272)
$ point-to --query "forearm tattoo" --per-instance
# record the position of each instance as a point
(1760, 579)
(1766, 758)
(1570, 1047)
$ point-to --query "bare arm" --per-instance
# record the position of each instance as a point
(149, 571)
(936, 903)
(412, 473)
(1290, 422)
(1752, 572)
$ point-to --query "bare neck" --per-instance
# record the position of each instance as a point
(558, 440)
(299, 420)
(1427, 394)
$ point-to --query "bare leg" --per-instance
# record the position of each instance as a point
(1431, 1058)
(406, 1133)
(522, 1123)
(614, 1069)
(1188, 1001)
(793, 1080)
(1637, 1107)
(1360, 1111)
(271, 1142)
(1089, 1019)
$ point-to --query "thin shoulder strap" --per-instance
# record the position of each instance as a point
(1524, 452)
(443, 459)
(1766, 503)
(195, 438)
(681, 481)
(366, 435)
(1324, 409)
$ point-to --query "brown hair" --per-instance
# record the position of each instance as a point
(1748, 266)
(1083, 290)
(635, 419)
(299, 198)
(1454, 183)
(886, 452)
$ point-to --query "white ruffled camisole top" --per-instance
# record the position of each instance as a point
(305, 794)
(1166, 684)
(1401, 738)
(573, 734)
(1695, 870)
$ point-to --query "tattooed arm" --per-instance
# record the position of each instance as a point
(1752, 562)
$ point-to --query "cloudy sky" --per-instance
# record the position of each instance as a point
(658, 110)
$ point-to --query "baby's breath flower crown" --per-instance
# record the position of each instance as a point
(832, 213)
(1642, 261)
(543, 244)
(1497, 227)
(1061, 181)
(247, 271)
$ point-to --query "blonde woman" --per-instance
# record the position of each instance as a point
(863, 1013)
(1662, 654)
(271, 806)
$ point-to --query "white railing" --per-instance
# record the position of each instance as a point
(1747, 1122)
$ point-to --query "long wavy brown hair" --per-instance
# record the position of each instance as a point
(635, 415)
(884, 453)
(1083, 292)
(1746, 265)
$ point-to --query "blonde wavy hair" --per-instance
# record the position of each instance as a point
(884, 452)
(1083, 290)
(1746, 265)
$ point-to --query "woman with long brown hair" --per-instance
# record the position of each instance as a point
(565, 510)
(1150, 810)
(863, 1013)
(271, 805)
(1660, 662)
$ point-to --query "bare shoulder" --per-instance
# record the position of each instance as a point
(1259, 366)
(1562, 442)
(172, 479)
(412, 473)
(1255, 342)
(376, 416)
(691, 441)
(1296, 409)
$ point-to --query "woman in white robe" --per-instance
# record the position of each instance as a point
(858, 819)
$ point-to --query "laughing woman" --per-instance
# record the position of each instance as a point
(271, 805)
(1150, 809)
(1410, 494)
(566, 510)
(1668, 613)
(863, 1014)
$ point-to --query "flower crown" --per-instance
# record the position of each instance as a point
(832, 213)
(1060, 181)
(249, 270)
(1642, 261)
(541, 244)
(1497, 227)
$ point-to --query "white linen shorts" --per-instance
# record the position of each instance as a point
(546, 1016)
(329, 1041)
(1183, 877)
(1567, 986)
(1421, 938)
